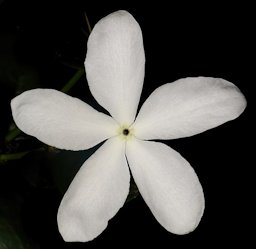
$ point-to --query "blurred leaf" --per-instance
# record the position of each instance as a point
(65, 164)
(13, 133)
(134, 192)
(13, 74)
(12, 235)
(35, 170)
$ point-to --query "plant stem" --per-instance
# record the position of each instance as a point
(73, 80)
(88, 23)
(12, 156)
(12, 135)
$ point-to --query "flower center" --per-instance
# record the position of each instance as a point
(126, 132)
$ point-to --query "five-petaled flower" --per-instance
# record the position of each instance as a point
(115, 72)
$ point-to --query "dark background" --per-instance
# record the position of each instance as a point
(42, 43)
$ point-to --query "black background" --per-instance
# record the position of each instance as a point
(180, 40)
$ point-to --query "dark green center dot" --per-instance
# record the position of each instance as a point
(125, 132)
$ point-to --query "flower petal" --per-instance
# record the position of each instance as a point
(60, 120)
(97, 192)
(115, 65)
(187, 107)
(168, 184)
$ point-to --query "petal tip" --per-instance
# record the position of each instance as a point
(116, 18)
(243, 104)
(73, 230)
(187, 226)
(120, 14)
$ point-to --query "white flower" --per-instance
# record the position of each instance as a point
(115, 71)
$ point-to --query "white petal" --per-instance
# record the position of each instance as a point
(97, 192)
(168, 184)
(187, 107)
(60, 120)
(115, 65)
